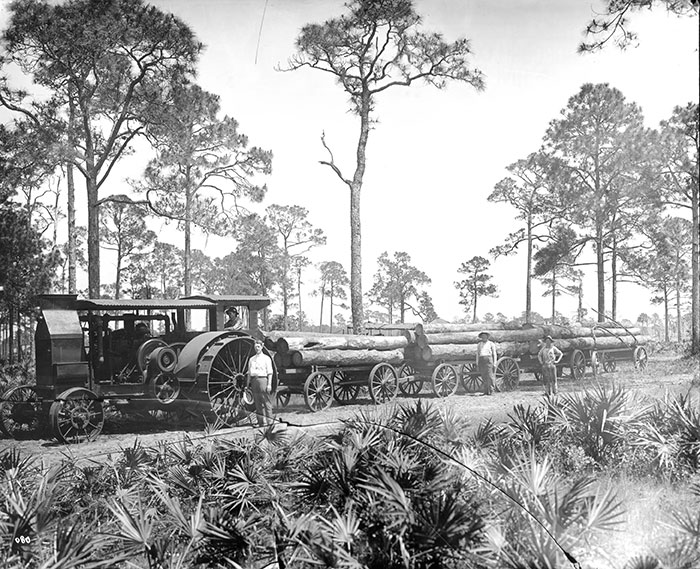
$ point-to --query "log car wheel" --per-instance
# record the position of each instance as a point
(225, 367)
(444, 380)
(383, 383)
(410, 383)
(577, 363)
(471, 378)
(641, 358)
(507, 374)
(609, 364)
(318, 391)
(21, 412)
(283, 397)
(343, 392)
(76, 416)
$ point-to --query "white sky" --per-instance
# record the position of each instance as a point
(435, 155)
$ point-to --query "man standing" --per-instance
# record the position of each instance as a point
(549, 356)
(486, 361)
(260, 380)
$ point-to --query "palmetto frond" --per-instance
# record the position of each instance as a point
(528, 425)
(643, 562)
(225, 537)
(395, 502)
(136, 528)
(486, 434)
(445, 523)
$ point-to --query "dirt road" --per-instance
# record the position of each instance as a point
(664, 375)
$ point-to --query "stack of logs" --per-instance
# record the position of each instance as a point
(454, 342)
(437, 342)
(305, 349)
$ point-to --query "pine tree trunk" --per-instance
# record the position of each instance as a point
(301, 319)
(678, 313)
(600, 264)
(554, 294)
(667, 337)
(323, 295)
(528, 281)
(188, 238)
(93, 237)
(695, 301)
(72, 241)
(331, 299)
(355, 222)
(613, 275)
(118, 279)
(475, 299)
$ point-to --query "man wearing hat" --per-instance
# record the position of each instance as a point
(486, 361)
(549, 356)
(234, 321)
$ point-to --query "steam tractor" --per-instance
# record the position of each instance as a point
(142, 355)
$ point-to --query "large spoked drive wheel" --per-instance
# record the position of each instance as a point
(225, 367)
(21, 412)
(383, 383)
(318, 391)
(165, 388)
(577, 363)
(344, 392)
(76, 416)
(471, 378)
(641, 358)
(507, 374)
(410, 382)
(444, 380)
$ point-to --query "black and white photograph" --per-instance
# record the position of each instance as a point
(349, 284)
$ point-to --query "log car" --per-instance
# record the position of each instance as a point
(322, 384)
(445, 376)
(90, 353)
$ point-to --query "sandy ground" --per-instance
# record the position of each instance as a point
(664, 375)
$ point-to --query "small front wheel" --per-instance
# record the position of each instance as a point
(76, 416)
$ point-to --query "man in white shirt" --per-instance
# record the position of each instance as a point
(486, 361)
(260, 381)
(549, 356)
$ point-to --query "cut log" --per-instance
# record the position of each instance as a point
(341, 342)
(345, 357)
(607, 343)
(526, 335)
(416, 327)
(457, 352)
(566, 332)
(473, 337)
(440, 328)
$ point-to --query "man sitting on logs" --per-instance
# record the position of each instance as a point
(486, 360)
(549, 356)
